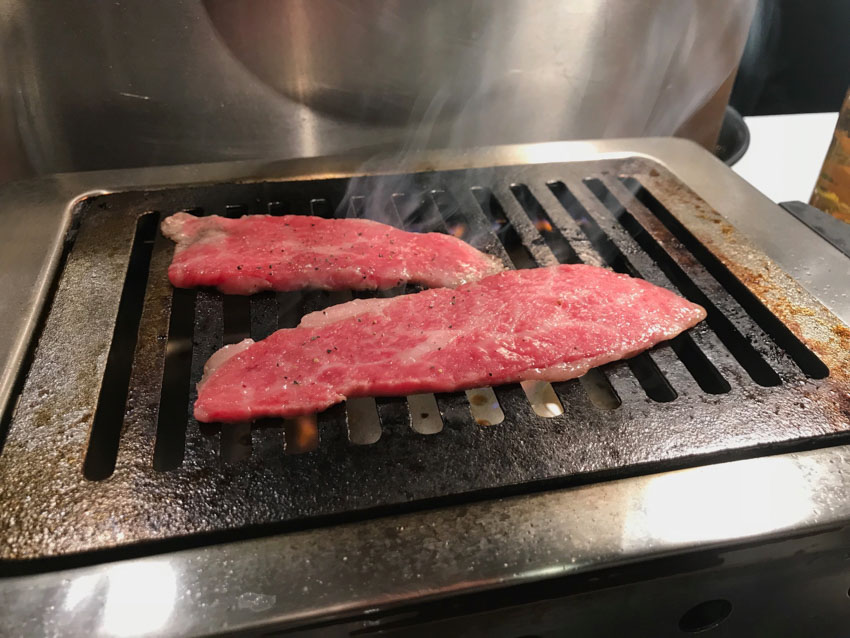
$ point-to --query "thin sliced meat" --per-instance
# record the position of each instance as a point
(261, 252)
(546, 323)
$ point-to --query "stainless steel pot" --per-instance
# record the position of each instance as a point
(109, 85)
(539, 67)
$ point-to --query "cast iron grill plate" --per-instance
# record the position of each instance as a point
(101, 451)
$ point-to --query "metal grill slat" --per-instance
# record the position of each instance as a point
(778, 331)
(588, 254)
(644, 366)
(471, 226)
(659, 371)
(202, 449)
(625, 256)
(139, 430)
(569, 229)
(758, 340)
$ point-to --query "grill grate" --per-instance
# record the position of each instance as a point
(103, 451)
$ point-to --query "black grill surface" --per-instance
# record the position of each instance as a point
(102, 452)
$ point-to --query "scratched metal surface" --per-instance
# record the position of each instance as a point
(736, 385)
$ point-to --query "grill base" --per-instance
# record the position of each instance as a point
(127, 464)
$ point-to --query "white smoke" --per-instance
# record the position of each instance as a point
(545, 70)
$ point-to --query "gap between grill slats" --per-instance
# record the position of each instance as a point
(729, 326)
(477, 227)
(671, 233)
(545, 241)
(614, 246)
(595, 384)
(554, 249)
(149, 359)
(105, 433)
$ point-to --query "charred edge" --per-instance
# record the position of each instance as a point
(109, 415)
(650, 377)
(700, 367)
(738, 345)
(173, 416)
(808, 361)
(504, 231)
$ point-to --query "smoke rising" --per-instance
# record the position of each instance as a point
(521, 72)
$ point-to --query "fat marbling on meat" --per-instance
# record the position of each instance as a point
(291, 252)
(550, 324)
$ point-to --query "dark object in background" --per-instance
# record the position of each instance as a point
(832, 230)
(797, 58)
(734, 138)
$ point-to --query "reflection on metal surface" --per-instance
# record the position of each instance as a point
(528, 538)
(364, 426)
(485, 407)
(297, 79)
(424, 414)
(723, 501)
(542, 398)
(255, 602)
(139, 598)
(80, 590)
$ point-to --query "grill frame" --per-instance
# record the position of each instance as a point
(664, 420)
(662, 149)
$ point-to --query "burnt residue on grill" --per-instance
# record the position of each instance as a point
(84, 469)
(821, 332)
